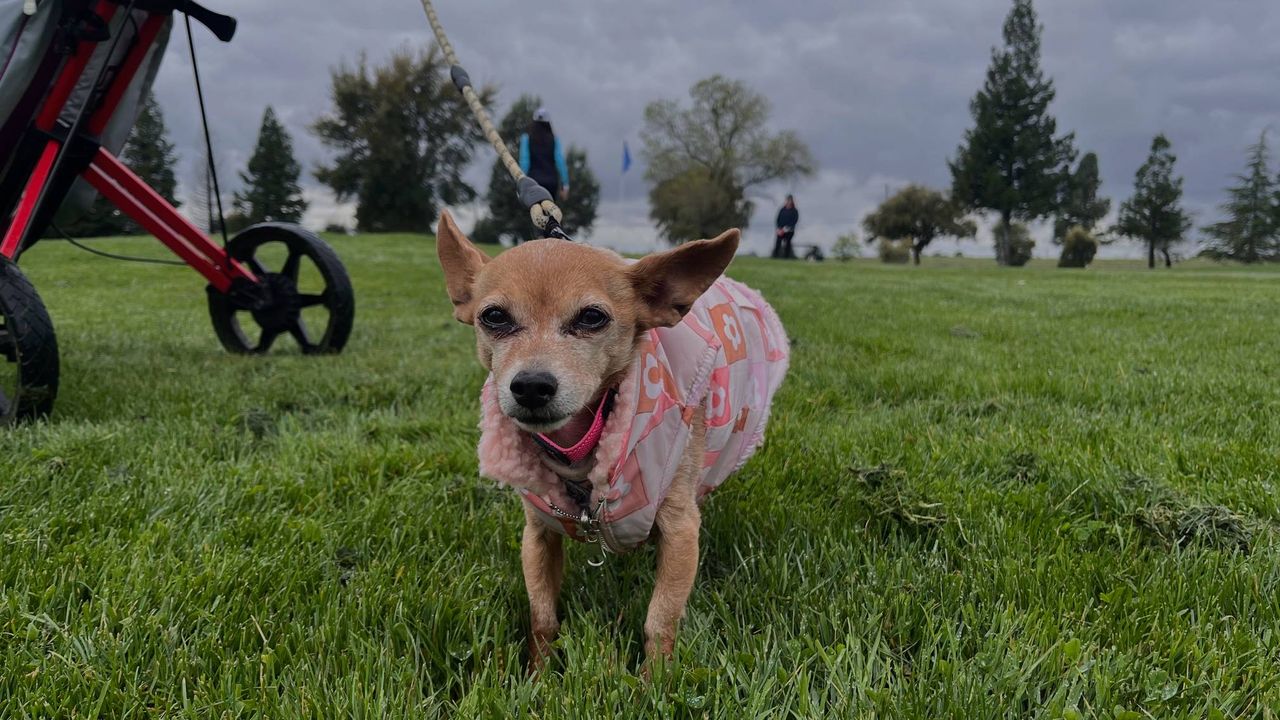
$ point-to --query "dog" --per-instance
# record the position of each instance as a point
(619, 394)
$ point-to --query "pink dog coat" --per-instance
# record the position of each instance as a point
(728, 356)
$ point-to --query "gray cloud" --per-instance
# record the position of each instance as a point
(879, 89)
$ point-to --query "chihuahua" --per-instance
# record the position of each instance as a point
(619, 394)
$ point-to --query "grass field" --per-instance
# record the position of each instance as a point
(986, 493)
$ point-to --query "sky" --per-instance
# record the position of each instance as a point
(878, 89)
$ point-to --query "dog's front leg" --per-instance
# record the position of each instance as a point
(678, 523)
(542, 557)
(677, 568)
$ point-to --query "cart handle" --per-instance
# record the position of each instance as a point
(222, 26)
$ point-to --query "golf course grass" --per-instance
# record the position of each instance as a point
(986, 493)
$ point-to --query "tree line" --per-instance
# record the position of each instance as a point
(270, 182)
(1015, 164)
(402, 139)
(705, 159)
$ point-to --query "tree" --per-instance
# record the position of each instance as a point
(1251, 231)
(507, 217)
(272, 192)
(1012, 162)
(1020, 245)
(580, 208)
(846, 247)
(149, 152)
(702, 160)
(404, 137)
(1154, 214)
(894, 252)
(695, 205)
(102, 219)
(918, 214)
(1081, 206)
(150, 155)
(1078, 248)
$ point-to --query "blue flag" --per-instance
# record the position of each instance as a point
(626, 157)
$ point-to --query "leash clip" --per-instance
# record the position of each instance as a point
(589, 525)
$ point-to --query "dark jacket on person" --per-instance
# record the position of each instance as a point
(788, 217)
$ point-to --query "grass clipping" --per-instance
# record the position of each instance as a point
(887, 492)
(1196, 526)
(1175, 521)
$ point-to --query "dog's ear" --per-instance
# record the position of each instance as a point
(668, 283)
(461, 262)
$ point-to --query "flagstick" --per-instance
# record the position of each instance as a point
(622, 178)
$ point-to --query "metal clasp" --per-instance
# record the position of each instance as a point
(589, 525)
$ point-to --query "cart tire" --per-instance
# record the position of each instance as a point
(278, 312)
(28, 350)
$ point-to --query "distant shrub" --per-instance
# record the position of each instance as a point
(487, 232)
(337, 229)
(235, 223)
(1020, 245)
(897, 252)
(1078, 248)
(846, 247)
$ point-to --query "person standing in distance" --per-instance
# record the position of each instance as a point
(788, 218)
(542, 158)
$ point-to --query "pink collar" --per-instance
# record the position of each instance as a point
(585, 446)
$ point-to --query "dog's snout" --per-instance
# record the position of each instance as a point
(534, 390)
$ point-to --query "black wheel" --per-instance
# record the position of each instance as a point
(28, 350)
(302, 292)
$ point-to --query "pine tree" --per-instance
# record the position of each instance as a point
(150, 155)
(1154, 214)
(1275, 203)
(580, 209)
(404, 138)
(272, 192)
(149, 152)
(507, 217)
(1081, 206)
(1251, 231)
(1012, 162)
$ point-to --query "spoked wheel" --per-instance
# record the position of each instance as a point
(302, 293)
(28, 350)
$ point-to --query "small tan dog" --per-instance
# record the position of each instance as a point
(619, 394)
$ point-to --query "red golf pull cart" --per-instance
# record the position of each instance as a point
(71, 77)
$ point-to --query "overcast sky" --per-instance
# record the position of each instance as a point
(879, 89)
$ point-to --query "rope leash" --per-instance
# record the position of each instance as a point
(543, 211)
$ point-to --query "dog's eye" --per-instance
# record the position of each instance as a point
(591, 319)
(495, 318)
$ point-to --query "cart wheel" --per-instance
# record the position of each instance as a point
(28, 350)
(302, 291)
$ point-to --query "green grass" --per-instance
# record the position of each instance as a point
(986, 493)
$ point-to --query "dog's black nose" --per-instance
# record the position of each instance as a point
(534, 390)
